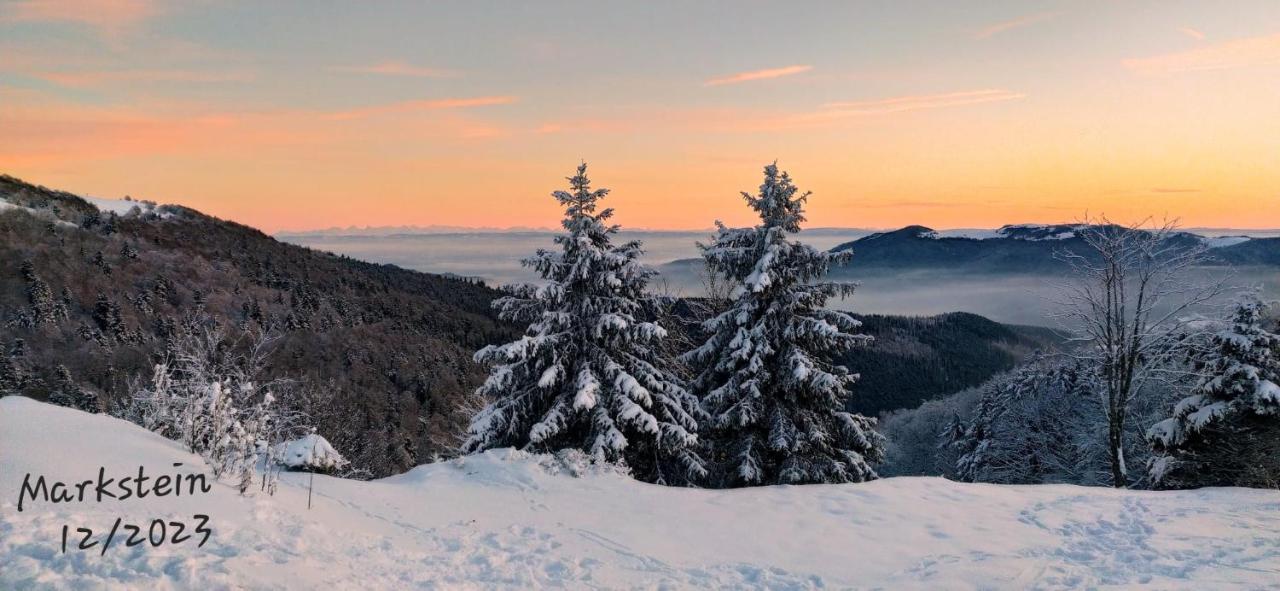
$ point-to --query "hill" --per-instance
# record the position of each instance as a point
(508, 520)
(1023, 248)
(102, 287)
(916, 359)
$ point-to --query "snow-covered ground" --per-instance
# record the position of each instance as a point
(509, 520)
(120, 206)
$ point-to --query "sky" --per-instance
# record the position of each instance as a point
(299, 115)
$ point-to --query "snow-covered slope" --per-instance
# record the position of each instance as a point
(120, 206)
(509, 520)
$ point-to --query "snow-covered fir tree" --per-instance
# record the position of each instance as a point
(1227, 431)
(585, 374)
(766, 373)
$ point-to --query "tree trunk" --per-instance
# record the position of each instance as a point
(1116, 443)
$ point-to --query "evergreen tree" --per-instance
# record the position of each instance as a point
(12, 378)
(585, 375)
(1227, 431)
(65, 392)
(44, 308)
(766, 374)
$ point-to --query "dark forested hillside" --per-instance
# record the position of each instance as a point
(388, 350)
(917, 359)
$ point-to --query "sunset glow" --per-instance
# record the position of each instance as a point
(290, 116)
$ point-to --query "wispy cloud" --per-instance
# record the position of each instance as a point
(757, 75)
(421, 105)
(1237, 53)
(83, 79)
(922, 102)
(1196, 34)
(1174, 190)
(1017, 23)
(397, 68)
(109, 16)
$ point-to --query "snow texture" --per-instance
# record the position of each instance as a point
(311, 452)
(6, 205)
(121, 207)
(509, 520)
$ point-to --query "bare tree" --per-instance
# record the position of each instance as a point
(1126, 304)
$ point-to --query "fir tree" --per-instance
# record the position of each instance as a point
(585, 375)
(766, 374)
(1227, 431)
(44, 308)
(64, 392)
(12, 379)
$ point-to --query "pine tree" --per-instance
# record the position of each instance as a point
(766, 374)
(585, 375)
(1227, 431)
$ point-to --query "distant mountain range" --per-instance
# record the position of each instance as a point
(1017, 248)
(1025, 247)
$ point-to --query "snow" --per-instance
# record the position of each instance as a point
(1039, 232)
(1223, 241)
(310, 452)
(5, 205)
(120, 207)
(509, 520)
(971, 233)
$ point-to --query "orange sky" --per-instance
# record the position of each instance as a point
(997, 113)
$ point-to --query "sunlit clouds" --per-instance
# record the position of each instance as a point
(397, 68)
(916, 103)
(404, 107)
(1236, 53)
(1196, 34)
(290, 116)
(106, 15)
(753, 75)
(1016, 23)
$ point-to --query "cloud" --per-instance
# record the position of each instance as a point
(922, 102)
(421, 105)
(757, 75)
(1173, 190)
(84, 79)
(1237, 53)
(110, 16)
(1196, 34)
(397, 68)
(1017, 23)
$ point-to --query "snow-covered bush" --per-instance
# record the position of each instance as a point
(766, 377)
(311, 453)
(206, 397)
(586, 374)
(1227, 430)
(1040, 423)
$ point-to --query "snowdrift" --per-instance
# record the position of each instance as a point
(506, 519)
